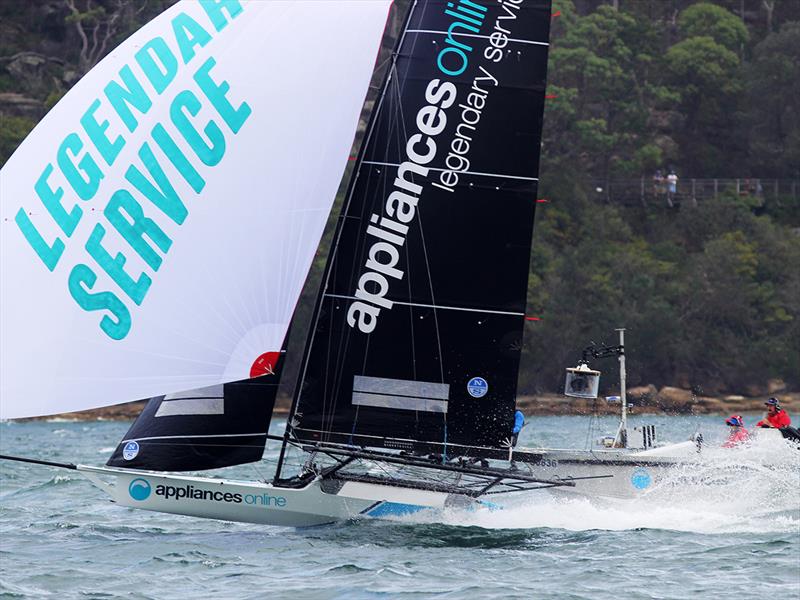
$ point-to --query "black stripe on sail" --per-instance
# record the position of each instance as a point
(427, 280)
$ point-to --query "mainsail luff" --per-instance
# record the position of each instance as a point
(409, 348)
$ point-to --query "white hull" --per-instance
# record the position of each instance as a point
(601, 473)
(256, 502)
(634, 473)
(615, 474)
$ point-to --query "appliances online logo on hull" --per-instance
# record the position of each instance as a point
(138, 486)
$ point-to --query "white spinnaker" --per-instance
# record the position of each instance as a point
(227, 285)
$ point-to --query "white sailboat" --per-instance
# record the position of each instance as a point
(159, 223)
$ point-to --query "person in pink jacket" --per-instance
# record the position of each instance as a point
(738, 434)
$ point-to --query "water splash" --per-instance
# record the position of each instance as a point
(752, 489)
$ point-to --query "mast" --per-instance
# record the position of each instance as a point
(337, 235)
(622, 432)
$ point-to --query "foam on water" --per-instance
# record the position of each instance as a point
(752, 489)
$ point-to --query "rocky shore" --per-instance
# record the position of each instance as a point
(649, 400)
(641, 400)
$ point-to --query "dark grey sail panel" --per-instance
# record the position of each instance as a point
(208, 428)
(425, 289)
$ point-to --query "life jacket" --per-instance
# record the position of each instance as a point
(779, 420)
(738, 436)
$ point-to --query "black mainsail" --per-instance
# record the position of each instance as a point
(415, 342)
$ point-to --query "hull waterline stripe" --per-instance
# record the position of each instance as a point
(498, 175)
(476, 35)
(439, 307)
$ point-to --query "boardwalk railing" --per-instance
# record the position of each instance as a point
(648, 190)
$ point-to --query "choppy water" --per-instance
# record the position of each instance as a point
(60, 537)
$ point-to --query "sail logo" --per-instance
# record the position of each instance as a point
(139, 489)
(390, 231)
(141, 203)
(130, 451)
(453, 59)
(477, 387)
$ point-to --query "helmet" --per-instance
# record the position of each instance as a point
(773, 402)
(734, 421)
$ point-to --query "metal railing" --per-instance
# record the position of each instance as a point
(649, 190)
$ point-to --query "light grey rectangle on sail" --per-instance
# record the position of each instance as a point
(401, 387)
(400, 402)
(191, 406)
(212, 391)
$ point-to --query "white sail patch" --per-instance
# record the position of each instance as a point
(191, 406)
(205, 401)
(401, 394)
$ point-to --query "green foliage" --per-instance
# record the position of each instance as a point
(705, 19)
(774, 101)
(12, 131)
(699, 66)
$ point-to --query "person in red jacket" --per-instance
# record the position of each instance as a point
(738, 434)
(776, 416)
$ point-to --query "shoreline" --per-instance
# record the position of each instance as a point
(668, 401)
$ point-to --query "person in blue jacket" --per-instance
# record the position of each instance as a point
(519, 423)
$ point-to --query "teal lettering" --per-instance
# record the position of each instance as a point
(214, 10)
(178, 158)
(161, 73)
(135, 290)
(164, 196)
(97, 134)
(68, 221)
(135, 230)
(209, 154)
(122, 98)
(85, 188)
(234, 118)
(188, 34)
(49, 254)
(82, 278)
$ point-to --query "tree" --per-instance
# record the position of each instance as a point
(102, 24)
(705, 19)
(601, 72)
(706, 75)
(773, 80)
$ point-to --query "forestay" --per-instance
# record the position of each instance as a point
(159, 223)
(417, 335)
